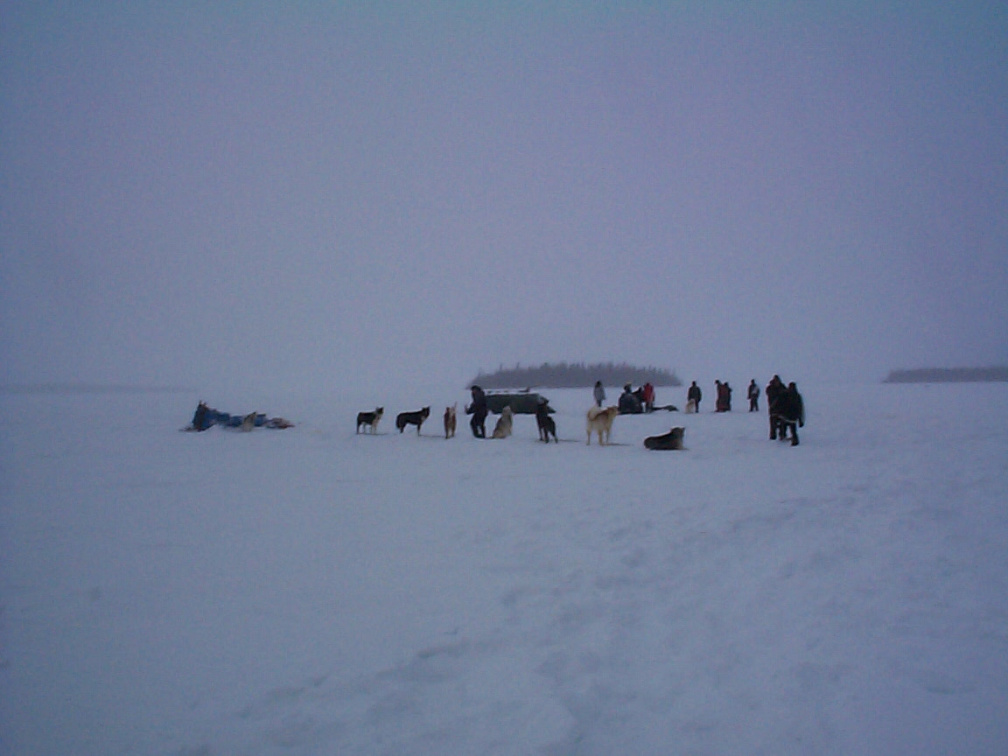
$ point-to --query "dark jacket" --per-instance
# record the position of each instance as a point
(629, 404)
(774, 390)
(790, 406)
(479, 403)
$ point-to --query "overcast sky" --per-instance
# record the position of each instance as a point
(354, 194)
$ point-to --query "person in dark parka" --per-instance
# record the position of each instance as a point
(774, 390)
(695, 394)
(791, 410)
(478, 410)
(628, 402)
(753, 395)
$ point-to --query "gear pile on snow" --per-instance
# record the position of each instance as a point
(207, 417)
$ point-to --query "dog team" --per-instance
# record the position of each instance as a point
(785, 408)
(478, 409)
(599, 422)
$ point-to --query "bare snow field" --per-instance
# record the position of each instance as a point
(315, 591)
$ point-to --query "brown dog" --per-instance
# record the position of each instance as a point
(449, 421)
(600, 421)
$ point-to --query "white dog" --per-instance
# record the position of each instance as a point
(691, 406)
(504, 423)
(600, 421)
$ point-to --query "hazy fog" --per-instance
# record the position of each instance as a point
(351, 193)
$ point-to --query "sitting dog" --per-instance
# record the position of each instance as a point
(504, 423)
(449, 421)
(691, 407)
(545, 423)
(412, 418)
(370, 419)
(600, 421)
(671, 441)
(248, 422)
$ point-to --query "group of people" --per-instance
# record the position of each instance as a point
(724, 392)
(722, 401)
(784, 404)
(632, 401)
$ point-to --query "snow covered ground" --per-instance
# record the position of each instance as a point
(313, 591)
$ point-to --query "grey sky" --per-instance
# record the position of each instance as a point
(340, 195)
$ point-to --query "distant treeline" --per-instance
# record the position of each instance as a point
(577, 375)
(948, 375)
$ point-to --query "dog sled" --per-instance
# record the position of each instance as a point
(521, 403)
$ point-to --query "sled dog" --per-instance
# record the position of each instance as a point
(370, 419)
(691, 407)
(673, 440)
(504, 423)
(600, 421)
(450, 421)
(412, 418)
(545, 423)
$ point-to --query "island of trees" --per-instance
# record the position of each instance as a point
(948, 375)
(576, 375)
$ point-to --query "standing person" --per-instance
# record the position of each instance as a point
(753, 396)
(599, 394)
(792, 412)
(648, 397)
(478, 410)
(774, 390)
(695, 395)
(722, 403)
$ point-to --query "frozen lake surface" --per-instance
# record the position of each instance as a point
(314, 591)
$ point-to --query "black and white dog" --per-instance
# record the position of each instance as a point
(545, 423)
(412, 418)
(370, 419)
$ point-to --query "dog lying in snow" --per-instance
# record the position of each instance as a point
(673, 440)
(370, 419)
(504, 423)
(450, 421)
(412, 418)
(600, 421)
